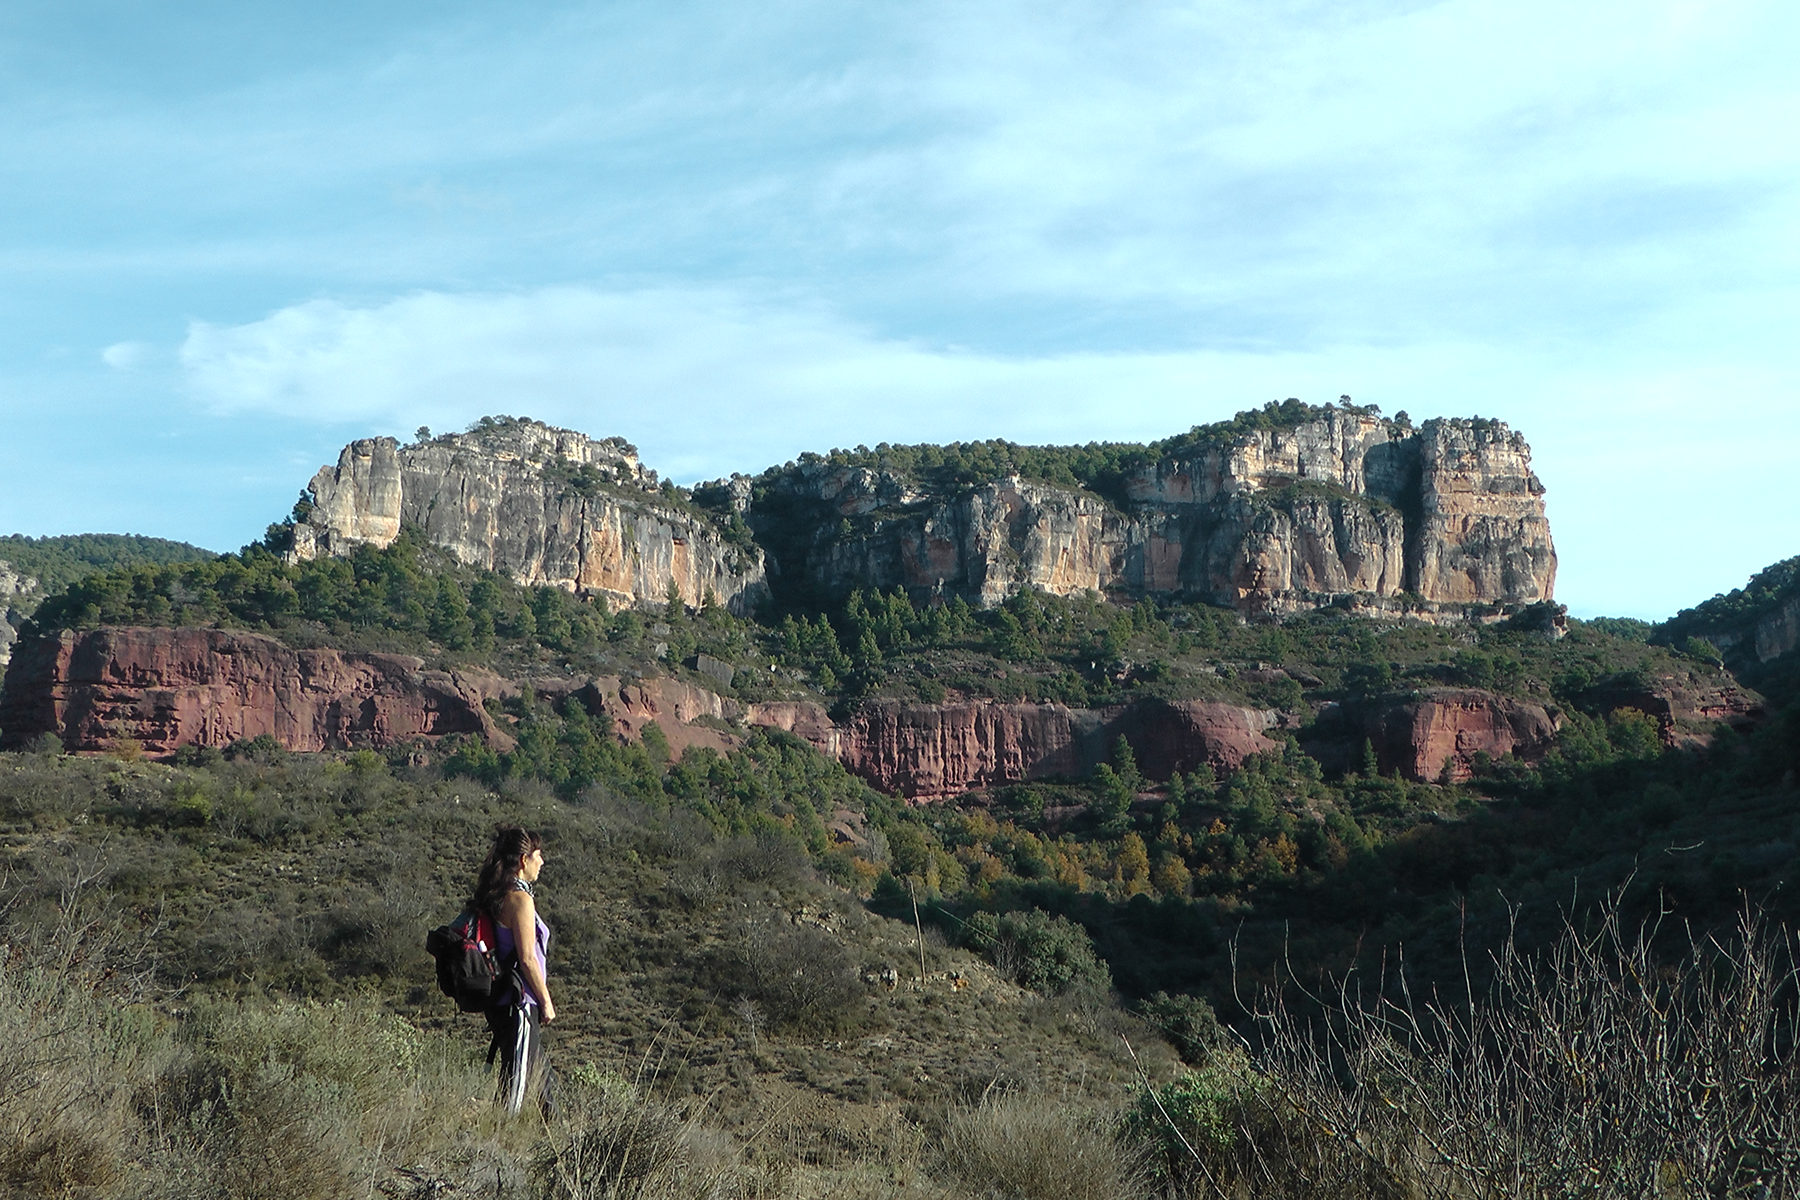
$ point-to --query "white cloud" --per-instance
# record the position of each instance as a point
(127, 356)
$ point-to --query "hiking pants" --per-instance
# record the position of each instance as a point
(518, 1041)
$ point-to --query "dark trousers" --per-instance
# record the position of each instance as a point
(518, 1042)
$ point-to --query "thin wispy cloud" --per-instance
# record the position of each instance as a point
(732, 233)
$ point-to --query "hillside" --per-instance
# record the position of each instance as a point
(1102, 820)
(1753, 629)
(33, 568)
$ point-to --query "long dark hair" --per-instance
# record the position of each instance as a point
(501, 867)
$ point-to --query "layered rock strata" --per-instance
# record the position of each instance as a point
(1423, 734)
(1268, 521)
(1437, 736)
(1686, 708)
(932, 751)
(167, 688)
(549, 506)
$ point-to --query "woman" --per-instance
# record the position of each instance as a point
(516, 1017)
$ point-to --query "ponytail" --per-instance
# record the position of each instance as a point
(501, 867)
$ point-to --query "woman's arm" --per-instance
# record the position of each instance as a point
(519, 913)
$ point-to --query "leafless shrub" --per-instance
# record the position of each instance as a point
(1600, 1068)
(765, 857)
(799, 976)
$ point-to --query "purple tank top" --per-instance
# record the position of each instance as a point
(507, 945)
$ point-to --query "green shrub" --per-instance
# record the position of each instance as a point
(1038, 951)
(1188, 1023)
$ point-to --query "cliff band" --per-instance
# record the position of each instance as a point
(549, 506)
(1341, 507)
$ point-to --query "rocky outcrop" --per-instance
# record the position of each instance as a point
(1343, 506)
(1687, 707)
(166, 688)
(549, 506)
(1778, 632)
(1423, 734)
(1440, 732)
(13, 586)
(930, 751)
(676, 706)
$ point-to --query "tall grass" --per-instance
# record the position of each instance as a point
(1023, 1146)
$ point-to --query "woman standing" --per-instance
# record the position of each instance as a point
(516, 1017)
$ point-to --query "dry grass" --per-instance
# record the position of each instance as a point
(1022, 1146)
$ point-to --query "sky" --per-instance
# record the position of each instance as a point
(235, 236)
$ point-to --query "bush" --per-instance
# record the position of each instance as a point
(1594, 1069)
(1038, 951)
(801, 977)
(613, 1144)
(1027, 1146)
(1188, 1023)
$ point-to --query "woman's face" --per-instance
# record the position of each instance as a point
(530, 865)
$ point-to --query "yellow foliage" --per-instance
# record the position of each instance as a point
(1171, 876)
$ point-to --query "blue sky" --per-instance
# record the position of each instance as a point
(235, 236)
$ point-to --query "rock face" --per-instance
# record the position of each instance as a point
(931, 751)
(12, 586)
(1687, 708)
(1420, 734)
(1779, 632)
(1267, 521)
(548, 505)
(166, 688)
(1445, 728)
(676, 707)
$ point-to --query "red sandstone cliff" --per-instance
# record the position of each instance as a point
(1688, 707)
(168, 688)
(929, 751)
(1445, 728)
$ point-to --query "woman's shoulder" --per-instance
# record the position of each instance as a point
(513, 899)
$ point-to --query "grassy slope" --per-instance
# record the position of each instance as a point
(314, 878)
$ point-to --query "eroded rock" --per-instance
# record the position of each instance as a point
(1345, 508)
(550, 506)
(931, 751)
(167, 688)
(1437, 735)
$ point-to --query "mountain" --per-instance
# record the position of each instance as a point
(867, 857)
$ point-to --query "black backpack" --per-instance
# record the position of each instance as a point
(468, 960)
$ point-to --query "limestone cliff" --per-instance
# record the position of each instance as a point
(548, 505)
(1341, 506)
(13, 586)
